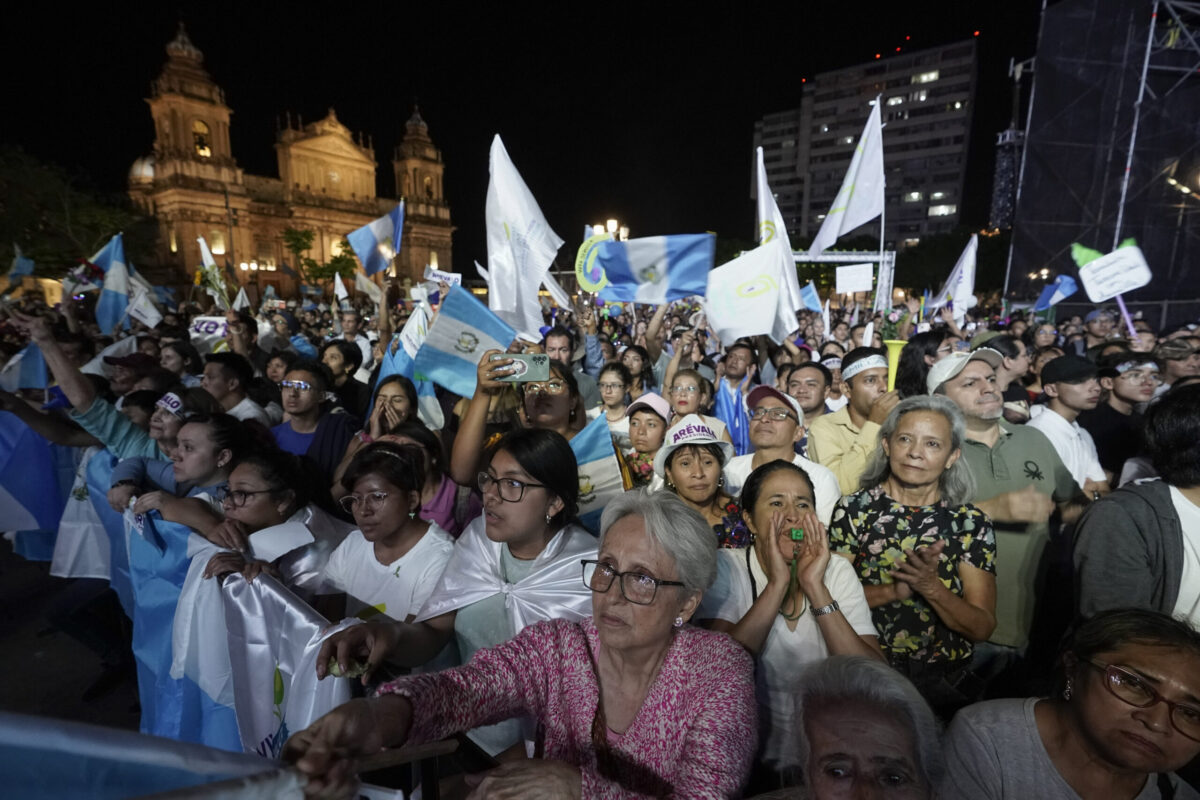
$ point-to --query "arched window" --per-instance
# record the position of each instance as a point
(429, 187)
(200, 139)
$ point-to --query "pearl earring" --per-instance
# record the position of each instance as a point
(679, 622)
(547, 519)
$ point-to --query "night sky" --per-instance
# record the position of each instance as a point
(642, 114)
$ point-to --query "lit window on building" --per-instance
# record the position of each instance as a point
(912, 197)
(919, 96)
(943, 210)
(937, 196)
(895, 101)
(200, 139)
(907, 243)
(824, 129)
(925, 77)
(174, 242)
(957, 105)
(216, 243)
(846, 140)
(820, 217)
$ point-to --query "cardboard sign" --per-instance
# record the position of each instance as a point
(855, 278)
(1121, 271)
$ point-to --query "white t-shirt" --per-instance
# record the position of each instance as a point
(250, 410)
(784, 651)
(825, 483)
(1187, 605)
(397, 589)
(1074, 444)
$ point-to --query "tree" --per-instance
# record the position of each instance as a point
(299, 241)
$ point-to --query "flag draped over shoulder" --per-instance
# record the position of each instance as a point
(1063, 287)
(378, 242)
(772, 228)
(114, 295)
(463, 331)
(960, 286)
(860, 199)
(400, 359)
(599, 471)
(521, 245)
(654, 269)
(743, 296)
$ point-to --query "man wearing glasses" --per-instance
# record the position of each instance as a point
(1129, 379)
(775, 426)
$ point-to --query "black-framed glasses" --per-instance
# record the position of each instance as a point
(300, 386)
(371, 501)
(775, 414)
(237, 498)
(612, 386)
(1135, 690)
(510, 490)
(636, 587)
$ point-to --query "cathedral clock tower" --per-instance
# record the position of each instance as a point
(427, 228)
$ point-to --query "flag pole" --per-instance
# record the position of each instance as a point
(882, 216)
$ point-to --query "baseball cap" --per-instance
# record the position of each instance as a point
(137, 362)
(1068, 369)
(954, 363)
(650, 402)
(756, 396)
(689, 431)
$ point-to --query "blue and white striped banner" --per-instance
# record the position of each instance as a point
(655, 269)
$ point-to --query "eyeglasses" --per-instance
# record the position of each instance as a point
(1047, 332)
(237, 498)
(550, 387)
(1140, 377)
(371, 501)
(683, 390)
(613, 386)
(775, 414)
(509, 489)
(299, 386)
(636, 587)
(1133, 689)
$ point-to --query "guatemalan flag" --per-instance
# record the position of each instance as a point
(464, 330)
(1063, 287)
(378, 242)
(599, 471)
(402, 362)
(655, 269)
(812, 300)
(114, 296)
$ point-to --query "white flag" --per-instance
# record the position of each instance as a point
(521, 245)
(556, 290)
(339, 288)
(742, 298)
(960, 286)
(367, 286)
(773, 228)
(142, 309)
(860, 199)
(242, 300)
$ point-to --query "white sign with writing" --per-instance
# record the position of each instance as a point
(1121, 271)
(452, 278)
(855, 278)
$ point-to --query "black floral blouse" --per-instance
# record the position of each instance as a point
(876, 530)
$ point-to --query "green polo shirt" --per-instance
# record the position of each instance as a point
(1021, 457)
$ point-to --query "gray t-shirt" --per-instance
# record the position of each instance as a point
(994, 752)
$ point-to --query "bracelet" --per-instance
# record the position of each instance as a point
(823, 610)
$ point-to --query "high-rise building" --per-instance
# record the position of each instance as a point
(928, 98)
(193, 187)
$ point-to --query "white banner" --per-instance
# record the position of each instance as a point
(1121, 271)
(855, 278)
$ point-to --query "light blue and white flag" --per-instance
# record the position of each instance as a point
(114, 296)
(1063, 287)
(599, 471)
(25, 370)
(402, 362)
(464, 330)
(31, 493)
(378, 242)
(655, 269)
(812, 300)
(21, 266)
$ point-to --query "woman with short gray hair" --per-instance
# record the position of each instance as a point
(674, 527)
(925, 556)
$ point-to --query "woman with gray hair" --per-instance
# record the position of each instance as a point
(926, 557)
(865, 731)
(631, 702)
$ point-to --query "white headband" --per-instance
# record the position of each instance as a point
(1128, 365)
(870, 362)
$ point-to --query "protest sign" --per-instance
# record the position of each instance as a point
(855, 278)
(1121, 271)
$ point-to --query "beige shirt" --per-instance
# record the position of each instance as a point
(835, 442)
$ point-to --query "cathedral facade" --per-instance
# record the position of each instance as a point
(193, 187)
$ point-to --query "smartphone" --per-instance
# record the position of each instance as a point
(525, 367)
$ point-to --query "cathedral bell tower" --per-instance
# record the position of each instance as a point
(427, 228)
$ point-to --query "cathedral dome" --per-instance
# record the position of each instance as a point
(142, 170)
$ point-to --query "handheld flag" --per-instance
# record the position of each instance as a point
(241, 301)
(114, 294)
(599, 471)
(21, 267)
(812, 300)
(378, 242)
(142, 309)
(773, 228)
(211, 278)
(365, 285)
(960, 286)
(860, 199)
(656, 269)
(463, 331)
(521, 245)
(25, 370)
(399, 359)
(339, 288)
(1063, 287)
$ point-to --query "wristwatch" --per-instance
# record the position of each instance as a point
(823, 610)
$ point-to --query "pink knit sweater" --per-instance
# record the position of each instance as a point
(694, 736)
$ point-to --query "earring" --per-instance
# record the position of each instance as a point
(679, 622)
(547, 519)
(1067, 691)
(412, 515)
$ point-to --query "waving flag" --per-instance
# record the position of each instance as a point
(402, 362)
(1063, 287)
(521, 245)
(242, 300)
(21, 266)
(114, 295)
(812, 300)
(339, 288)
(656, 269)
(772, 228)
(860, 199)
(743, 296)
(25, 370)
(599, 471)
(213, 281)
(463, 331)
(960, 286)
(378, 242)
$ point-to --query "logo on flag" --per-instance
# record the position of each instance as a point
(599, 471)
(655, 269)
(464, 327)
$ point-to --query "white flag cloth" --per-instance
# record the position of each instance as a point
(339, 288)
(960, 286)
(860, 199)
(557, 292)
(772, 227)
(552, 590)
(744, 297)
(365, 285)
(521, 245)
(142, 308)
(242, 300)
(81, 549)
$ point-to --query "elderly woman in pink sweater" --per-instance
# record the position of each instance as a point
(632, 703)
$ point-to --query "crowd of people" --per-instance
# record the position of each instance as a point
(981, 583)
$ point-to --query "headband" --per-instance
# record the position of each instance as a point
(1128, 365)
(171, 402)
(870, 362)
(832, 363)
